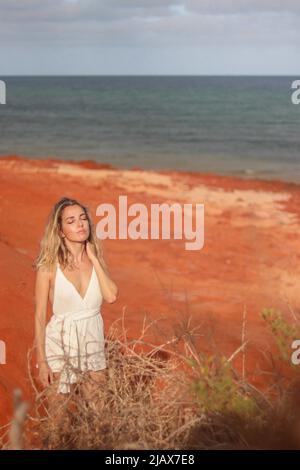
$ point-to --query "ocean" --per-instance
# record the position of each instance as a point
(245, 126)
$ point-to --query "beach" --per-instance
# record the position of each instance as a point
(249, 261)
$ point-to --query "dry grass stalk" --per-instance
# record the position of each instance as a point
(148, 401)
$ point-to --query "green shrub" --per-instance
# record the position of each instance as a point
(283, 332)
(217, 390)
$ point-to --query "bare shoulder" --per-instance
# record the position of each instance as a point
(44, 275)
(42, 287)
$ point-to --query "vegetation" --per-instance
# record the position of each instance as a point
(169, 396)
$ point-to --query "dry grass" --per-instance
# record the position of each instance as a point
(145, 402)
(169, 396)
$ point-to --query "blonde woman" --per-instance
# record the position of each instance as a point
(72, 275)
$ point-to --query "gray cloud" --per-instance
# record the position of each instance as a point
(147, 24)
(143, 22)
(102, 10)
(83, 10)
(219, 7)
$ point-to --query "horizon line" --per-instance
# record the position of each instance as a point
(149, 75)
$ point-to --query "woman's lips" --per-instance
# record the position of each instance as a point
(81, 231)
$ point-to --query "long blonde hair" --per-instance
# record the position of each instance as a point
(52, 245)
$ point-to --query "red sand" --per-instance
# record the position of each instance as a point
(250, 256)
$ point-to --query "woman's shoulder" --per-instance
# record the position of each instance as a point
(46, 271)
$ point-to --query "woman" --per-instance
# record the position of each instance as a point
(72, 274)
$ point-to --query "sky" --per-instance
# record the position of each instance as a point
(149, 37)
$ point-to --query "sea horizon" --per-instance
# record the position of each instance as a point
(241, 125)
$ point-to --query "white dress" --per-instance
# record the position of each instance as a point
(74, 338)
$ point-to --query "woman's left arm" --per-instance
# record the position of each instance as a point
(108, 287)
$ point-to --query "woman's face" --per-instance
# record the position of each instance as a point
(75, 224)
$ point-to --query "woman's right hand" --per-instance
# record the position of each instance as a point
(45, 374)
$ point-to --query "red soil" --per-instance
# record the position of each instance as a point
(250, 257)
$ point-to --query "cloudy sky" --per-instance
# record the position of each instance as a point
(149, 37)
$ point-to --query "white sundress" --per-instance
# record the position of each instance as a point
(74, 337)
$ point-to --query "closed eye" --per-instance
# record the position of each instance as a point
(82, 218)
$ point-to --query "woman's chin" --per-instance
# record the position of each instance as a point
(82, 237)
